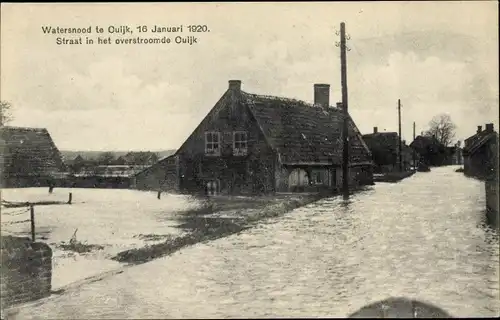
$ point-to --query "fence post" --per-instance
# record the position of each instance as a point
(70, 197)
(32, 214)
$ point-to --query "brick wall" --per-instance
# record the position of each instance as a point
(26, 271)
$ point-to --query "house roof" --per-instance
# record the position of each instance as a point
(140, 157)
(385, 147)
(303, 133)
(28, 152)
(422, 142)
(474, 142)
(381, 140)
(160, 163)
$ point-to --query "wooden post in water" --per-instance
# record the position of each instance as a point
(70, 199)
(32, 218)
(159, 194)
(345, 130)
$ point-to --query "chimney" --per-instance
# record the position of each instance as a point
(235, 85)
(478, 129)
(375, 130)
(322, 95)
(489, 127)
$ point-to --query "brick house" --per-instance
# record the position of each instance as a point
(384, 147)
(28, 158)
(431, 152)
(250, 144)
(480, 153)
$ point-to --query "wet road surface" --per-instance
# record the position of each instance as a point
(423, 238)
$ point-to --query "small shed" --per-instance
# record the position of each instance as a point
(163, 175)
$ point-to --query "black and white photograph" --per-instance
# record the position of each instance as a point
(188, 160)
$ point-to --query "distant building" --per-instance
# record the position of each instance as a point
(457, 155)
(384, 147)
(481, 153)
(410, 157)
(453, 156)
(106, 176)
(76, 164)
(140, 158)
(250, 144)
(120, 161)
(29, 158)
(431, 151)
(78, 160)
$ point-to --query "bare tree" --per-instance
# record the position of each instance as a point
(5, 112)
(442, 128)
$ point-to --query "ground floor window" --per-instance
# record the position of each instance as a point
(320, 176)
(212, 187)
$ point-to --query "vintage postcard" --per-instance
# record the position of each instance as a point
(249, 160)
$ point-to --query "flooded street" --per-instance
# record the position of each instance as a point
(421, 238)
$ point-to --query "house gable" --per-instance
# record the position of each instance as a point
(228, 118)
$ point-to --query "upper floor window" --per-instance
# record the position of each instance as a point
(239, 143)
(212, 143)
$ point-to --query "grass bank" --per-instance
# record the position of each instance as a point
(218, 218)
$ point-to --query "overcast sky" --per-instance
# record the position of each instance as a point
(436, 57)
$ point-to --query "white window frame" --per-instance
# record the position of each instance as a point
(241, 150)
(210, 146)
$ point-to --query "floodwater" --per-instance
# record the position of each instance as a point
(422, 238)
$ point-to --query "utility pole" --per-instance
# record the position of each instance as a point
(414, 155)
(400, 147)
(345, 131)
